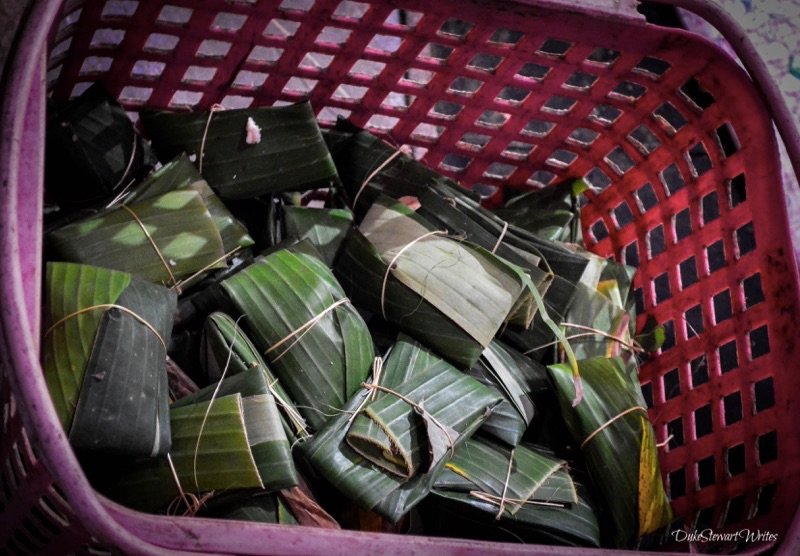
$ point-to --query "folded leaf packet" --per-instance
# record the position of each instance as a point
(160, 239)
(290, 153)
(104, 358)
(312, 337)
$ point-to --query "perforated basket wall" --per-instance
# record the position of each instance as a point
(670, 134)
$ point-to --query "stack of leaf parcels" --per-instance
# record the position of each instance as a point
(297, 327)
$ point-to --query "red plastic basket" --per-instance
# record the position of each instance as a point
(672, 134)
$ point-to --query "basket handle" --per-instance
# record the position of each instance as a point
(730, 29)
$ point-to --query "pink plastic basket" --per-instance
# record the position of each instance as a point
(674, 137)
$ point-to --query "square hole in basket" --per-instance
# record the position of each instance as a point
(119, 8)
(505, 37)
(702, 421)
(249, 79)
(485, 62)
(512, 96)
(558, 105)
(622, 215)
(710, 206)
(417, 77)
(661, 287)
(382, 123)
(734, 510)
(599, 230)
(281, 29)
(329, 114)
(672, 179)
(728, 357)
(427, 132)
(185, 99)
(696, 95)
(723, 310)
(763, 395)
(597, 179)
(675, 431)
(561, 158)
(174, 15)
(672, 384)
(554, 47)
(455, 162)
(751, 287)
(403, 19)
(688, 272)
(632, 254)
(704, 519)
(499, 171)
(348, 10)
(628, 91)
(638, 298)
(734, 460)
(652, 67)
(698, 367)
(365, 69)
(160, 43)
(715, 255)
(236, 101)
(484, 190)
(147, 69)
(541, 178)
(764, 500)
(767, 446)
(455, 28)
(316, 61)
(538, 128)
(349, 93)
(727, 141)
(669, 335)
(533, 72)
(264, 55)
(698, 159)
(705, 472)
(465, 86)
(198, 75)
(299, 86)
(737, 190)
(655, 241)
(518, 150)
(677, 483)
(93, 65)
(296, 5)
(670, 118)
(745, 239)
(397, 101)
(646, 198)
(211, 48)
(582, 136)
(644, 140)
(605, 115)
(336, 37)
(385, 45)
(619, 160)
(473, 141)
(694, 321)
(227, 22)
(445, 110)
(492, 119)
(436, 53)
(732, 408)
(759, 342)
(647, 394)
(602, 57)
(580, 81)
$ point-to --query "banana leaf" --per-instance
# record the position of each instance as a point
(104, 358)
(181, 238)
(320, 352)
(324, 228)
(290, 153)
(370, 486)
(181, 175)
(257, 506)
(618, 443)
(516, 378)
(92, 151)
(241, 445)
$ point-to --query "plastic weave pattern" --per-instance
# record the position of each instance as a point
(670, 134)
